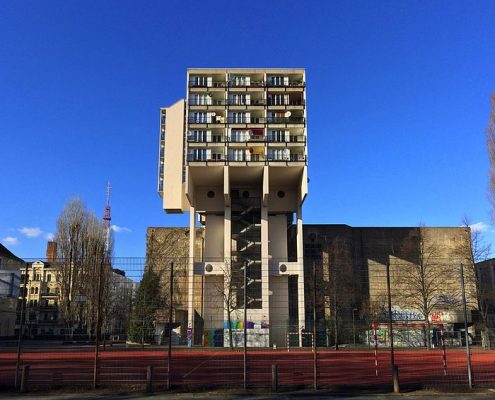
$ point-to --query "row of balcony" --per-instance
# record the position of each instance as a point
(219, 119)
(252, 102)
(243, 83)
(293, 139)
(247, 158)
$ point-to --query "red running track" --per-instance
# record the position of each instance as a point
(224, 368)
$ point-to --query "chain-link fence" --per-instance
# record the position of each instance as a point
(165, 322)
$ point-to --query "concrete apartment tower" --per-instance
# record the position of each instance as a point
(234, 155)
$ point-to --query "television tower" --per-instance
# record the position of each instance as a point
(107, 218)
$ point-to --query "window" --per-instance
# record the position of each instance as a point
(277, 136)
(239, 135)
(198, 81)
(49, 278)
(278, 80)
(35, 290)
(199, 154)
(240, 118)
(238, 155)
(216, 156)
(198, 118)
(200, 99)
(31, 290)
(217, 138)
(279, 99)
(278, 154)
(237, 80)
(239, 99)
(198, 136)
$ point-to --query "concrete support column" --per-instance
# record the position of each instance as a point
(265, 275)
(190, 276)
(300, 280)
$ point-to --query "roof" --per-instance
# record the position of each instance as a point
(4, 252)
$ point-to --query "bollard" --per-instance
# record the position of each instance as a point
(149, 379)
(24, 378)
(395, 378)
(274, 378)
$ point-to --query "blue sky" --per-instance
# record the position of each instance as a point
(398, 100)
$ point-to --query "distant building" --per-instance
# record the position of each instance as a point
(350, 265)
(486, 276)
(41, 317)
(10, 266)
(164, 245)
(121, 296)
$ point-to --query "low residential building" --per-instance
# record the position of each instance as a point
(41, 317)
(10, 266)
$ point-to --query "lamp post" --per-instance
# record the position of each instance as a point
(354, 326)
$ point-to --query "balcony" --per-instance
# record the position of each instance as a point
(290, 83)
(205, 84)
(286, 120)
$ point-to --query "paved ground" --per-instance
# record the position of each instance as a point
(240, 396)
(213, 368)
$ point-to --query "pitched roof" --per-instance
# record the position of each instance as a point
(4, 252)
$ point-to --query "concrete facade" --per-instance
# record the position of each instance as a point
(243, 175)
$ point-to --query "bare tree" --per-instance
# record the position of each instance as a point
(229, 289)
(83, 265)
(490, 140)
(423, 283)
(472, 252)
(340, 285)
(164, 246)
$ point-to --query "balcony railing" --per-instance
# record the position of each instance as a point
(290, 84)
(229, 102)
(234, 84)
(286, 120)
(253, 158)
(205, 84)
(298, 102)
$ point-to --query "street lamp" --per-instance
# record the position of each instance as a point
(353, 326)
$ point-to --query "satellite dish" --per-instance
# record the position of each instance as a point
(213, 114)
(287, 114)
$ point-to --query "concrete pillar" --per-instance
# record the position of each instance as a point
(300, 280)
(265, 275)
(190, 276)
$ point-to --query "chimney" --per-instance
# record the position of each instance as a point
(51, 251)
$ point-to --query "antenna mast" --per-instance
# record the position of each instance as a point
(107, 218)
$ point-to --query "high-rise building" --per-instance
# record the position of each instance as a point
(233, 154)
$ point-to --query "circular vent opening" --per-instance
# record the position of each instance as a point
(283, 268)
(211, 194)
(209, 268)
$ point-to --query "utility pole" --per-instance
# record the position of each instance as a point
(468, 350)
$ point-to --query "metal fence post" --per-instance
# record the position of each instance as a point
(395, 370)
(468, 350)
(98, 326)
(170, 311)
(24, 378)
(21, 326)
(245, 326)
(315, 359)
